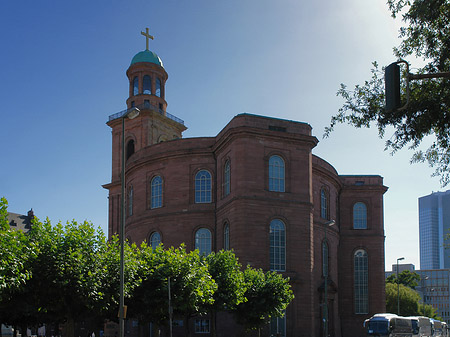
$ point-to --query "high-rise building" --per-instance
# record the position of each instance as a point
(256, 188)
(434, 223)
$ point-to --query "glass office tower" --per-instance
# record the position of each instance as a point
(434, 223)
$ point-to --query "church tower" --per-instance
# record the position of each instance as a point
(147, 79)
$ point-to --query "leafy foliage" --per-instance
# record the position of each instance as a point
(426, 34)
(406, 277)
(268, 295)
(226, 272)
(15, 254)
(66, 273)
(410, 302)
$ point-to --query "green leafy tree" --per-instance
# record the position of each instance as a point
(15, 255)
(108, 275)
(191, 286)
(268, 295)
(225, 269)
(66, 280)
(425, 34)
(427, 310)
(409, 300)
(406, 277)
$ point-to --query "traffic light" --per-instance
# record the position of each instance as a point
(392, 87)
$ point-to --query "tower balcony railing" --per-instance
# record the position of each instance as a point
(146, 106)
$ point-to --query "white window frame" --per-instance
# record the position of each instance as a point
(277, 175)
(203, 241)
(155, 240)
(277, 245)
(203, 187)
(202, 325)
(359, 216)
(361, 281)
(156, 192)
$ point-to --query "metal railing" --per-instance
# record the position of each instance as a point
(146, 106)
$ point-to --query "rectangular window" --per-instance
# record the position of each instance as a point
(202, 325)
(361, 282)
(278, 326)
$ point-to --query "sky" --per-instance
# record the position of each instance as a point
(62, 71)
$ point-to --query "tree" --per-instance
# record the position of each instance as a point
(427, 310)
(406, 277)
(409, 300)
(15, 254)
(225, 269)
(268, 295)
(191, 285)
(426, 34)
(66, 281)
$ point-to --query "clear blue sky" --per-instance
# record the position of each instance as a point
(63, 69)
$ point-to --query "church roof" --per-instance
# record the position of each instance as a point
(146, 56)
(20, 221)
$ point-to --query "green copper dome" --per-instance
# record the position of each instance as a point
(146, 56)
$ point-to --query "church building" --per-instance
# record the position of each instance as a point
(256, 188)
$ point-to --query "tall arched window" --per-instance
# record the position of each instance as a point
(276, 174)
(203, 241)
(130, 149)
(135, 86)
(147, 85)
(361, 282)
(155, 240)
(158, 87)
(277, 245)
(359, 216)
(130, 201)
(325, 258)
(226, 236)
(226, 178)
(156, 192)
(203, 187)
(324, 202)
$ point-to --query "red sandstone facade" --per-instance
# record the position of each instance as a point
(314, 193)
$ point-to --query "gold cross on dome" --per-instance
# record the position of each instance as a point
(147, 36)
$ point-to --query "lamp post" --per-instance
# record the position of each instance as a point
(325, 304)
(398, 288)
(130, 113)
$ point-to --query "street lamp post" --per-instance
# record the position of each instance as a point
(130, 113)
(398, 288)
(325, 304)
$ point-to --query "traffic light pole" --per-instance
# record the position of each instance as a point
(392, 84)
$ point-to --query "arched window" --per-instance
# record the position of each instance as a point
(325, 258)
(276, 174)
(203, 187)
(155, 240)
(158, 87)
(359, 216)
(130, 148)
(147, 85)
(130, 201)
(135, 86)
(203, 241)
(226, 236)
(361, 282)
(277, 245)
(156, 191)
(324, 202)
(226, 178)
